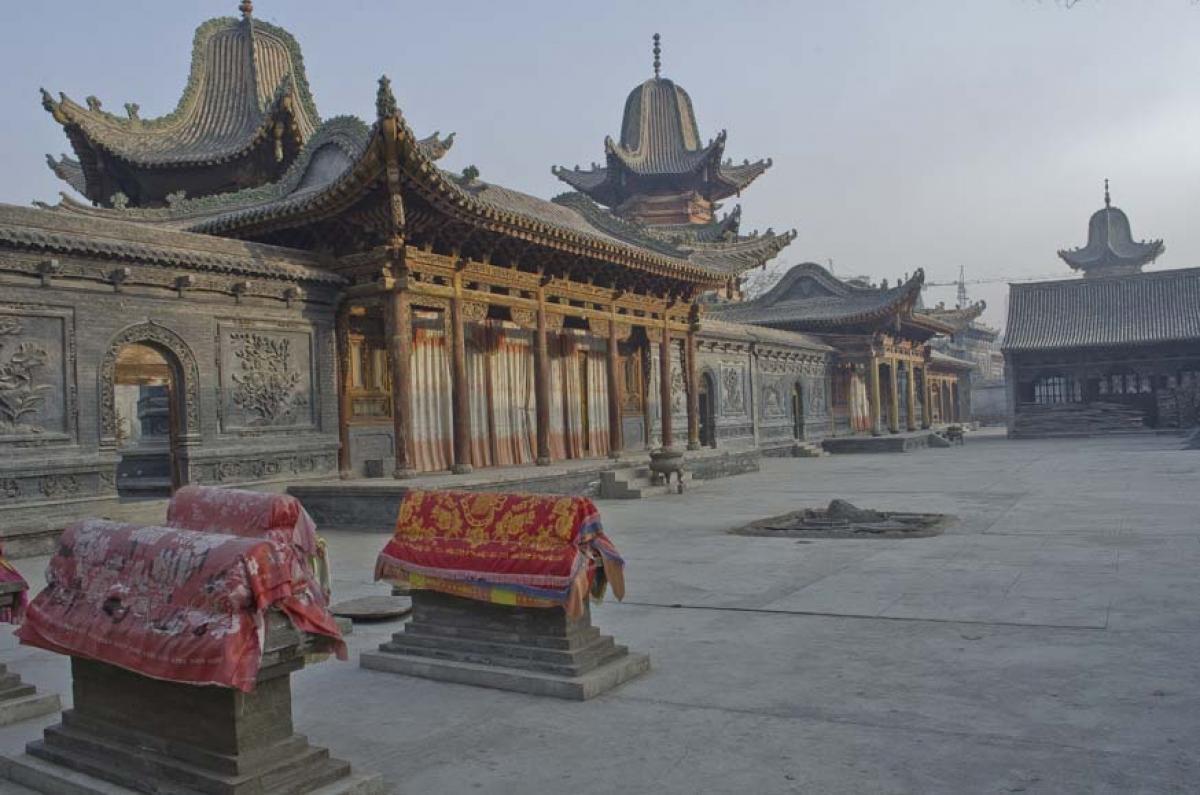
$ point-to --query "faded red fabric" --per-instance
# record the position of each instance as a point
(252, 514)
(14, 613)
(171, 604)
(513, 549)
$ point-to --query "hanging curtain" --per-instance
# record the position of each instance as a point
(557, 390)
(514, 414)
(432, 431)
(572, 364)
(597, 403)
(478, 386)
(860, 405)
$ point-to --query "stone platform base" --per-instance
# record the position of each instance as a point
(129, 733)
(33, 775)
(527, 650)
(19, 701)
(887, 443)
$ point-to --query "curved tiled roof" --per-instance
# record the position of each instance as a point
(1110, 246)
(945, 360)
(1135, 309)
(957, 319)
(246, 75)
(808, 296)
(660, 138)
(29, 229)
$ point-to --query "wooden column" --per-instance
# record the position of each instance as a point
(693, 392)
(458, 383)
(910, 395)
(926, 417)
(345, 467)
(541, 381)
(615, 432)
(873, 396)
(664, 385)
(400, 359)
(893, 399)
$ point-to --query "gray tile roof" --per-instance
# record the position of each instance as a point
(245, 76)
(659, 137)
(1135, 309)
(28, 229)
(809, 297)
(1110, 245)
(714, 327)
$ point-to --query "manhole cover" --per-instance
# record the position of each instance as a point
(843, 520)
(373, 608)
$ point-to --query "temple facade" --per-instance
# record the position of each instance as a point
(885, 377)
(1115, 351)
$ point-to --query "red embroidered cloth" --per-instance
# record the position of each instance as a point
(507, 548)
(171, 604)
(252, 514)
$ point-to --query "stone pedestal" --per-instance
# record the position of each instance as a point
(529, 650)
(19, 701)
(150, 736)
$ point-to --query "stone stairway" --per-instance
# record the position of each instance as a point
(809, 450)
(636, 482)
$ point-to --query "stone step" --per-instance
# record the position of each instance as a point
(573, 640)
(510, 651)
(634, 483)
(33, 705)
(19, 690)
(605, 677)
(138, 766)
(221, 763)
(602, 652)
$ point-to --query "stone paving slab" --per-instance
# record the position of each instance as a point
(1047, 642)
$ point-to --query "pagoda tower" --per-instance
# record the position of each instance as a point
(661, 173)
(1111, 249)
(244, 116)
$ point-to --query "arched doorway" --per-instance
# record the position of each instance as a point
(708, 413)
(797, 411)
(142, 350)
(147, 421)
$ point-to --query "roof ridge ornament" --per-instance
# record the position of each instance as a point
(1107, 198)
(247, 8)
(657, 54)
(385, 100)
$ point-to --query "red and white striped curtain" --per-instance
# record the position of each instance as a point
(478, 383)
(432, 432)
(597, 403)
(514, 412)
(860, 405)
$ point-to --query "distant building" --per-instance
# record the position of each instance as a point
(1118, 350)
(970, 340)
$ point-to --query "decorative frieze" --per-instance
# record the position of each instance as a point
(266, 376)
(37, 374)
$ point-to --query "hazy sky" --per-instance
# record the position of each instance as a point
(918, 133)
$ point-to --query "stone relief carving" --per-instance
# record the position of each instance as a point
(10, 489)
(21, 394)
(234, 470)
(58, 485)
(731, 384)
(266, 388)
(772, 401)
(163, 337)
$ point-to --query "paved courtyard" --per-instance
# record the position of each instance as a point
(1047, 642)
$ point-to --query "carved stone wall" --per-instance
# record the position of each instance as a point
(37, 375)
(266, 377)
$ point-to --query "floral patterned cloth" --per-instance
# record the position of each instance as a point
(511, 549)
(172, 604)
(252, 514)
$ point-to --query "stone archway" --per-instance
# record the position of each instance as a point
(184, 370)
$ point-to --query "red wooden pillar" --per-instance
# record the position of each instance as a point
(400, 360)
(541, 382)
(458, 384)
(616, 438)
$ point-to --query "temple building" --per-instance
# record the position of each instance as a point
(885, 377)
(251, 295)
(981, 389)
(1118, 350)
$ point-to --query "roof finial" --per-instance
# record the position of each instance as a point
(247, 8)
(385, 100)
(1107, 198)
(657, 53)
